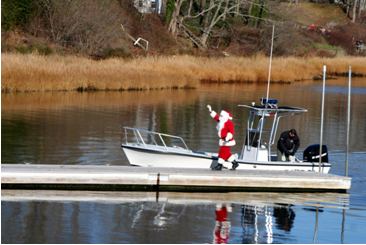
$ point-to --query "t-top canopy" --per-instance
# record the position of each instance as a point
(273, 110)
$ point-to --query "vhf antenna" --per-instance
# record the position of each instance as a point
(270, 63)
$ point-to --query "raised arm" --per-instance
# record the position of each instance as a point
(213, 114)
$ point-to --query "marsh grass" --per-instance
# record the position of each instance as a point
(31, 72)
(57, 73)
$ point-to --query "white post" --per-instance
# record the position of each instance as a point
(321, 124)
(348, 117)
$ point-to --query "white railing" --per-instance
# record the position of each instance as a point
(140, 140)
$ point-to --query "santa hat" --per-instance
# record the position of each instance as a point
(226, 114)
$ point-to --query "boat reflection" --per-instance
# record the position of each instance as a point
(219, 218)
(257, 224)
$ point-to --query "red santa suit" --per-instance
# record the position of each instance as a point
(225, 128)
(222, 225)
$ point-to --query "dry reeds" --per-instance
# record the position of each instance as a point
(57, 73)
(288, 69)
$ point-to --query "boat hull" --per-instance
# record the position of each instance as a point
(145, 157)
(157, 158)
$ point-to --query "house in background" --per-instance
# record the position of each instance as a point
(150, 6)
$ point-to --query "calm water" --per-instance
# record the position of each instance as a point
(87, 128)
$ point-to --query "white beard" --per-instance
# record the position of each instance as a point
(220, 125)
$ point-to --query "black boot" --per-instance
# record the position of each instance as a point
(235, 165)
(218, 167)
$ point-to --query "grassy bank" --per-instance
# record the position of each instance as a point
(57, 73)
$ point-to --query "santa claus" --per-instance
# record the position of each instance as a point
(225, 128)
(222, 224)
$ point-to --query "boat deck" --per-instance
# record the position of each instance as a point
(128, 178)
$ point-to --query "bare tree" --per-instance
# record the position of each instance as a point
(212, 12)
(207, 22)
(362, 7)
(250, 8)
(225, 10)
(354, 10)
(174, 21)
(203, 4)
(61, 19)
(220, 13)
(90, 25)
(215, 11)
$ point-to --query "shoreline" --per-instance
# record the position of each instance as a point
(35, 73)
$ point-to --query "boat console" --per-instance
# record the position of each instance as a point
(255, 147)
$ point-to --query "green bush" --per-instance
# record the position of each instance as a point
(190, 52)
(117, 52)
(256, 10)
(169, 10)
(23, 49)
(16, 13)
(45, 50)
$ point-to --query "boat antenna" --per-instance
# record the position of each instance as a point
(270, 63)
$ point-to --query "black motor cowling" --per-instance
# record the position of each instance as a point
(311, 153)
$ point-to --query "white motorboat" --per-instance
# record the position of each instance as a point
(152, 149)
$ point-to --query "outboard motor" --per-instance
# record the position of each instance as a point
(311, 153)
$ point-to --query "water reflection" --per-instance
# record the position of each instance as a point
(139, 217)
(285, 216)
(222, 224)
(257, 224)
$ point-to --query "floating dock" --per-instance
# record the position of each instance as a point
(129, 178)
